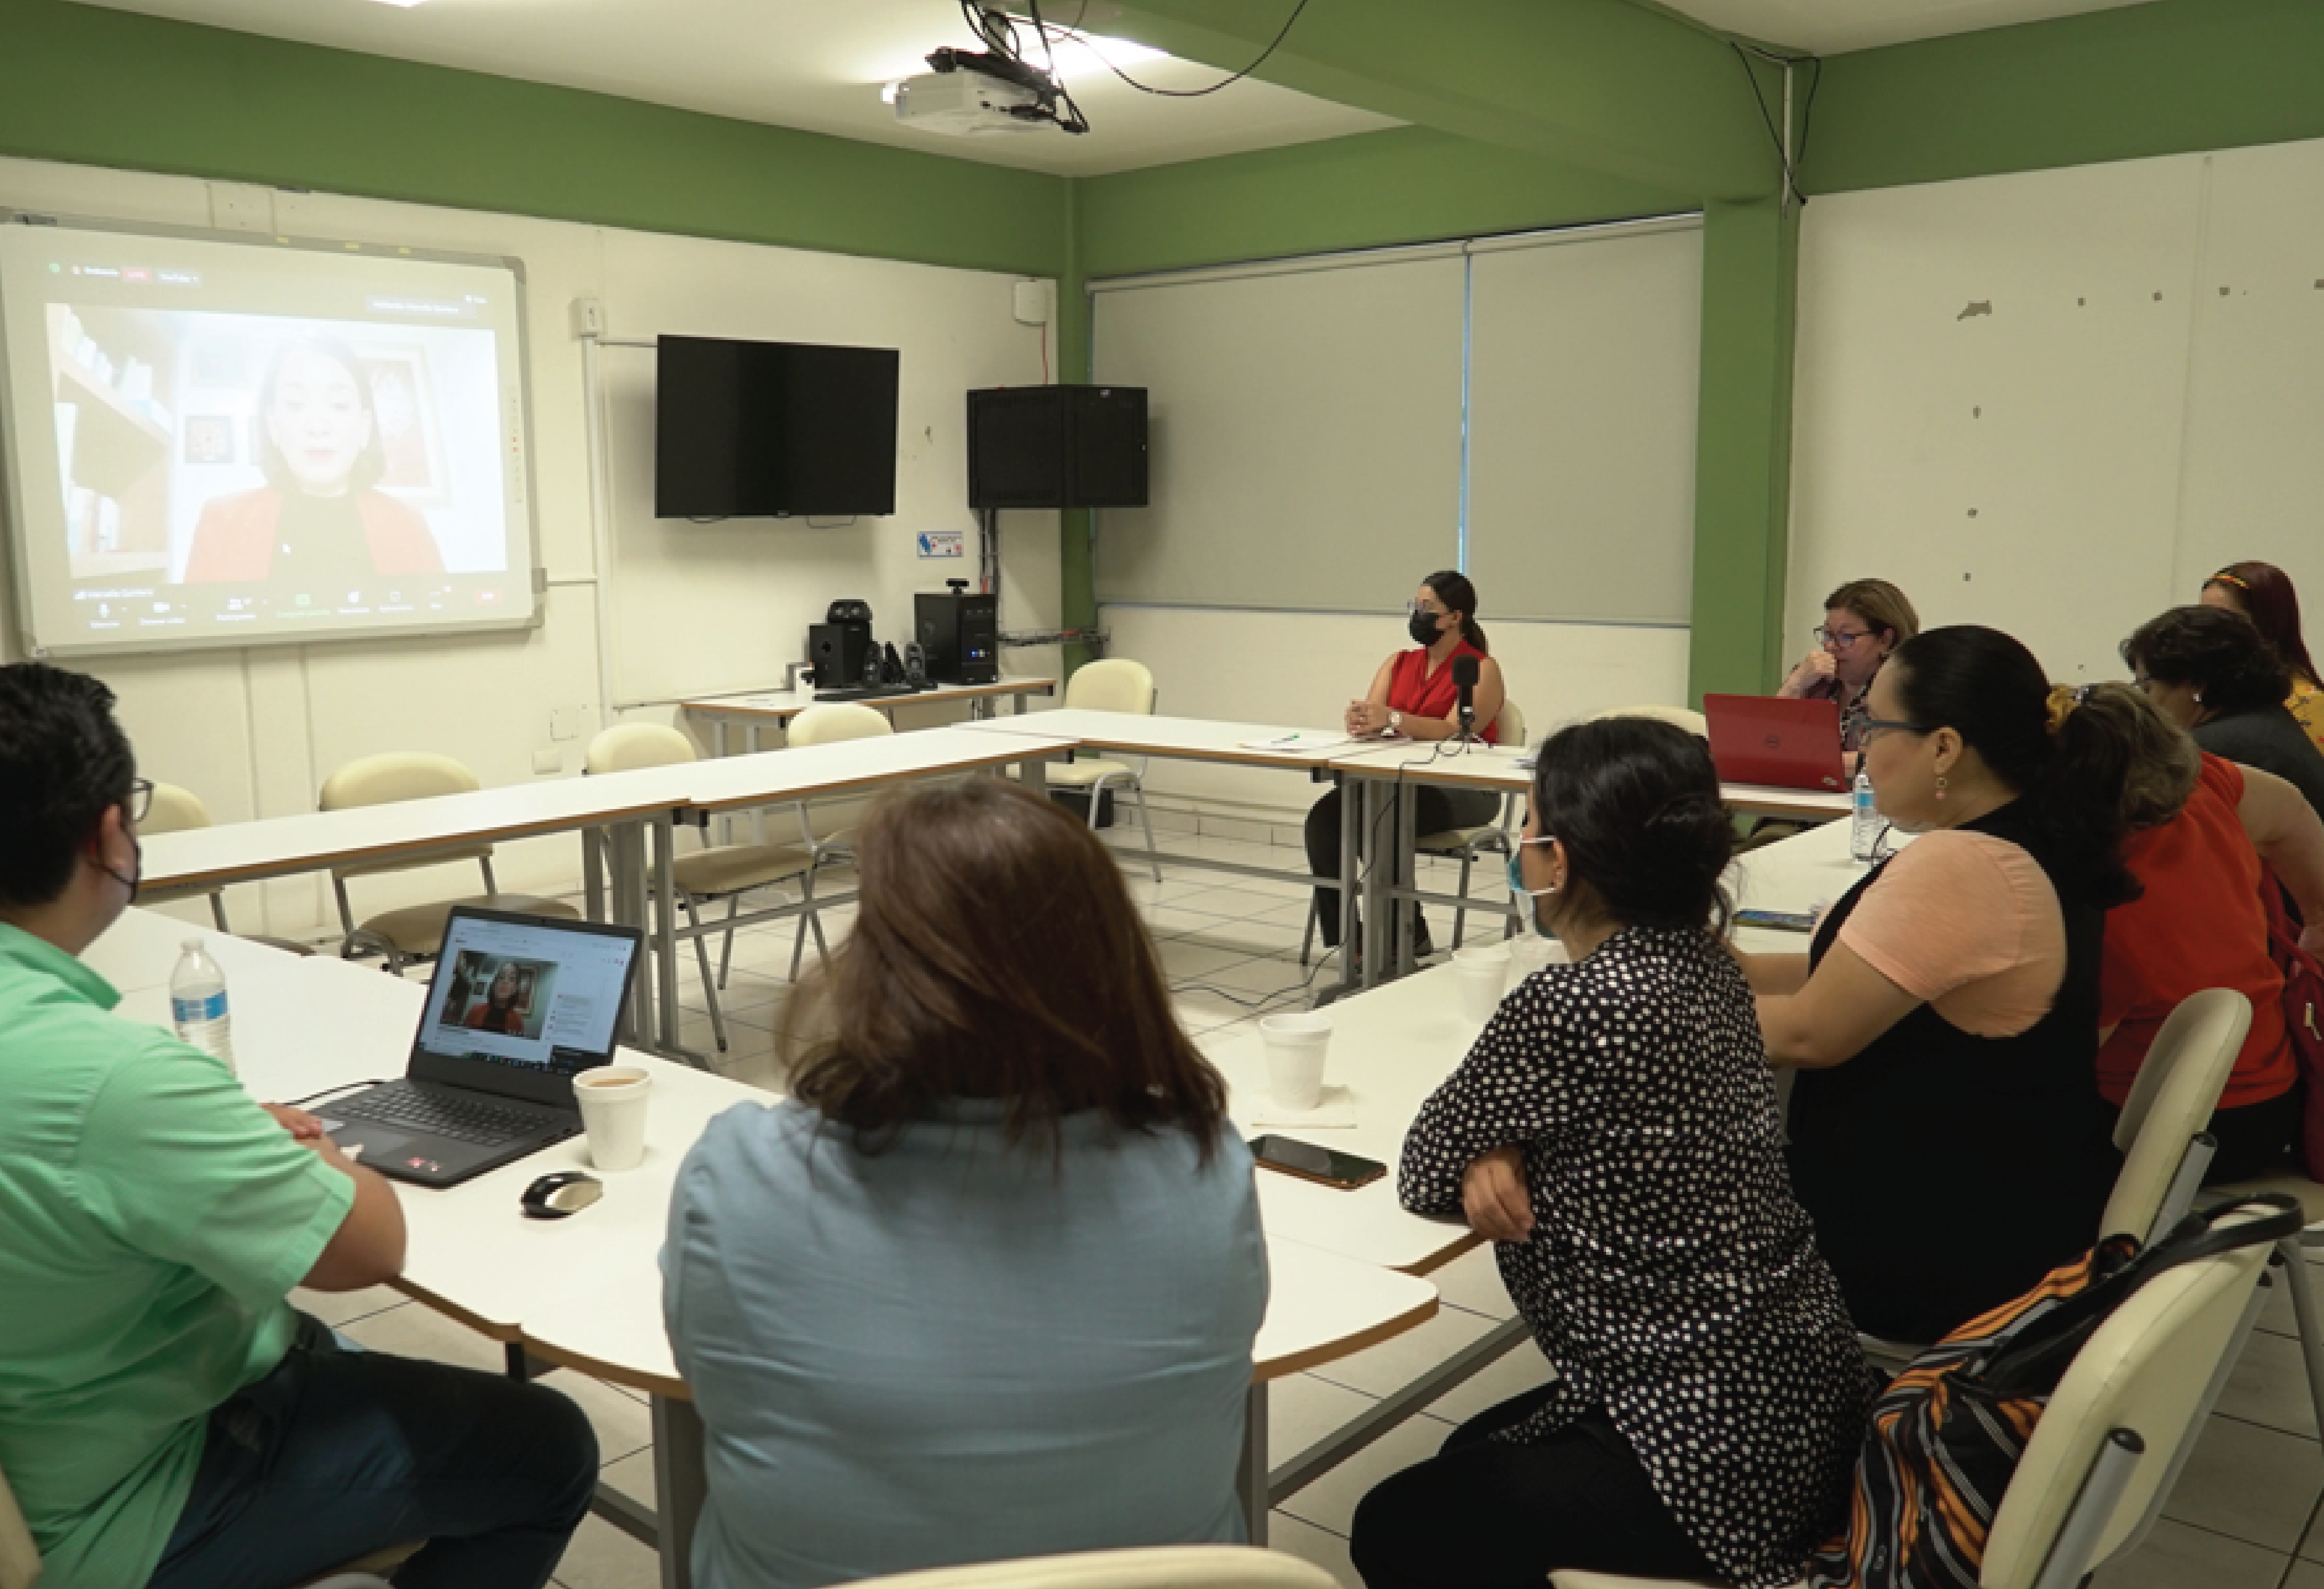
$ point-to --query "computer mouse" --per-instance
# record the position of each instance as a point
(567, 1192)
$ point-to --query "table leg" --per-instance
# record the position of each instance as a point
(1033, 773)
(718, 749)
(1250, 1471)
(1406, 911)
(625, 847)
(681, 1482)
(1378, 793)
(1353, 796)
(757, 817)
(593, 871)
(665, 926)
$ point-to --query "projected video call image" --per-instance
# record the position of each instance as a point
(203, 448)
(498, 993)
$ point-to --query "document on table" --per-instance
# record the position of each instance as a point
(1299, 739)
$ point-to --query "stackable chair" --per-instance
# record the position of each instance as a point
(1161, 1567)
(827, 827)
(717, 872)
(414, 933)
(174, 810)
(1114, 685)
(2116, 1432)
(1466, 844)
(2297, 1275)
(1461, 844)
(1693, 722)
(2164, 1133)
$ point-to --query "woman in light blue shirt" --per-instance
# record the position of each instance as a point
(986, 1285)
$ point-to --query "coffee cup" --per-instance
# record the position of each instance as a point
(1483, 976)
(613, 1100)
(1296, 1047)
(1528, 954)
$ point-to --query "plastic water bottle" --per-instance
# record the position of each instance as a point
(1863, 825)
(198, 1005)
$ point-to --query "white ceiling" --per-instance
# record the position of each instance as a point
(1832, 27)
(813, 64)
(818, 64)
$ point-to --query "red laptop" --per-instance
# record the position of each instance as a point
(1767, 739)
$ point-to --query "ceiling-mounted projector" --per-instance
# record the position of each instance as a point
(967, 104)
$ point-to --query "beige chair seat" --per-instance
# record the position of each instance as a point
(417, 931)
(2310, 1193)
(730, 869)
(1080, 775)
(1570, 1579)
(1158, 1566)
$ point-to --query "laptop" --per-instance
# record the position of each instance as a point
(1767, 739)
(518, 1007)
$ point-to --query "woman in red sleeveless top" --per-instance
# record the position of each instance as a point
(1413, 697)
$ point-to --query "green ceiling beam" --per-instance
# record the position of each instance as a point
(1606, 85)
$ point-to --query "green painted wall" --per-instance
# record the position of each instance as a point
(1403, 185)
(112, 88)
(2165, 77)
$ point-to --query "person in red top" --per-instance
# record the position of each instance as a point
(320, 520)
(498, 1011)
(2200, 827)
(1413, 697)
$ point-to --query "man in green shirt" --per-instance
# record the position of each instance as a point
(166, 1419)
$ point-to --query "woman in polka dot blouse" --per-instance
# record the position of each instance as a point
(1615, 1132)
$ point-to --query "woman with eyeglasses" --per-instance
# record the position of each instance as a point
(1863, 621)
(1413, 695)
(1947, 1132)
(1615, 1133)
(2199, 829)
(2262, 593)
(2210, 671)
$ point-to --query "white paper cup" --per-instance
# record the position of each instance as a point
(1528, 954)
(1296, 1047)
(1482, 975)
(613, 1099)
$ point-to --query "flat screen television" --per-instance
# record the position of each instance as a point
(1057, 447)
(773, 429)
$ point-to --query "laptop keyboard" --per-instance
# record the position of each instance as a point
(463, 1119)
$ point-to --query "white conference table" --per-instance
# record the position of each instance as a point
(587, 1291)
(757, 711)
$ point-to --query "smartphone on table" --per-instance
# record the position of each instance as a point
(1324, 1166)
(1778, 920)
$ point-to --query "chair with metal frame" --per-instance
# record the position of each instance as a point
(413, 934)
(827, 827)
(1117, 684)
(2116, 1432)
(717, 872)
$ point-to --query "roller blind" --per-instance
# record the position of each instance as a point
(1584, 385)
(1306, 431)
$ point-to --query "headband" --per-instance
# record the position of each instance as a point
(2224, 577)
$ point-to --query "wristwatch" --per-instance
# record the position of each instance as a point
(1396, 722)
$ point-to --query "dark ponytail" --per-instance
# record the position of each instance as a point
(1453, 588)
(2069, 770)
(1636, 803)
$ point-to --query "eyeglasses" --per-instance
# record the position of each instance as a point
(1413, 606)
(1842, 638)
(140, 800)
(1872, 728)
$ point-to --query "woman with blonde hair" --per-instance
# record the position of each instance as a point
(985, 1284)
(1863, 621)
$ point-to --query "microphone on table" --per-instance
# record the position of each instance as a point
(1464, 681)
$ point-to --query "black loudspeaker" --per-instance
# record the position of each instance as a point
(959, 635)
(836, 651)
(1056, 447)
(916, 665)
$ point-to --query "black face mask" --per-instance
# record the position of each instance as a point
(136, 878)
(1422, 627)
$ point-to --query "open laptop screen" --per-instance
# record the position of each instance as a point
(533, 995)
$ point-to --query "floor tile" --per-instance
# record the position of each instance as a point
(340, 1308)
(1388, 1367)
(1523, 1370)
(2269, 1386)
(1265, 976)
(601, 1556)
(2305, 1574)
(1326, 1549)
(2252, 1483)
(1301, 1409)
(633, 1476)
(2176, 1556)
(1329, 1502)
(1184, 961)
(419, 1331)
(1473, 1282)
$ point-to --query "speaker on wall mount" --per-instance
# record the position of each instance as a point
(1057, 447)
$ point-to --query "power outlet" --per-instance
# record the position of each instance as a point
(588, 318)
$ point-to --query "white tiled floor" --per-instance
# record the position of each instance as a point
(2245, 1514)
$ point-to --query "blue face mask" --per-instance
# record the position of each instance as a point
(1517, 885)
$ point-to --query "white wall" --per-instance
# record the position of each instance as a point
(1301, 669)
(2053, 403)
(696, 609)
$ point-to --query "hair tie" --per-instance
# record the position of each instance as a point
(2224, 577)
(2063, 700)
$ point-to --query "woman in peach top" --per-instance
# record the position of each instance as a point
(2262, 593)
(1947, 1134)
